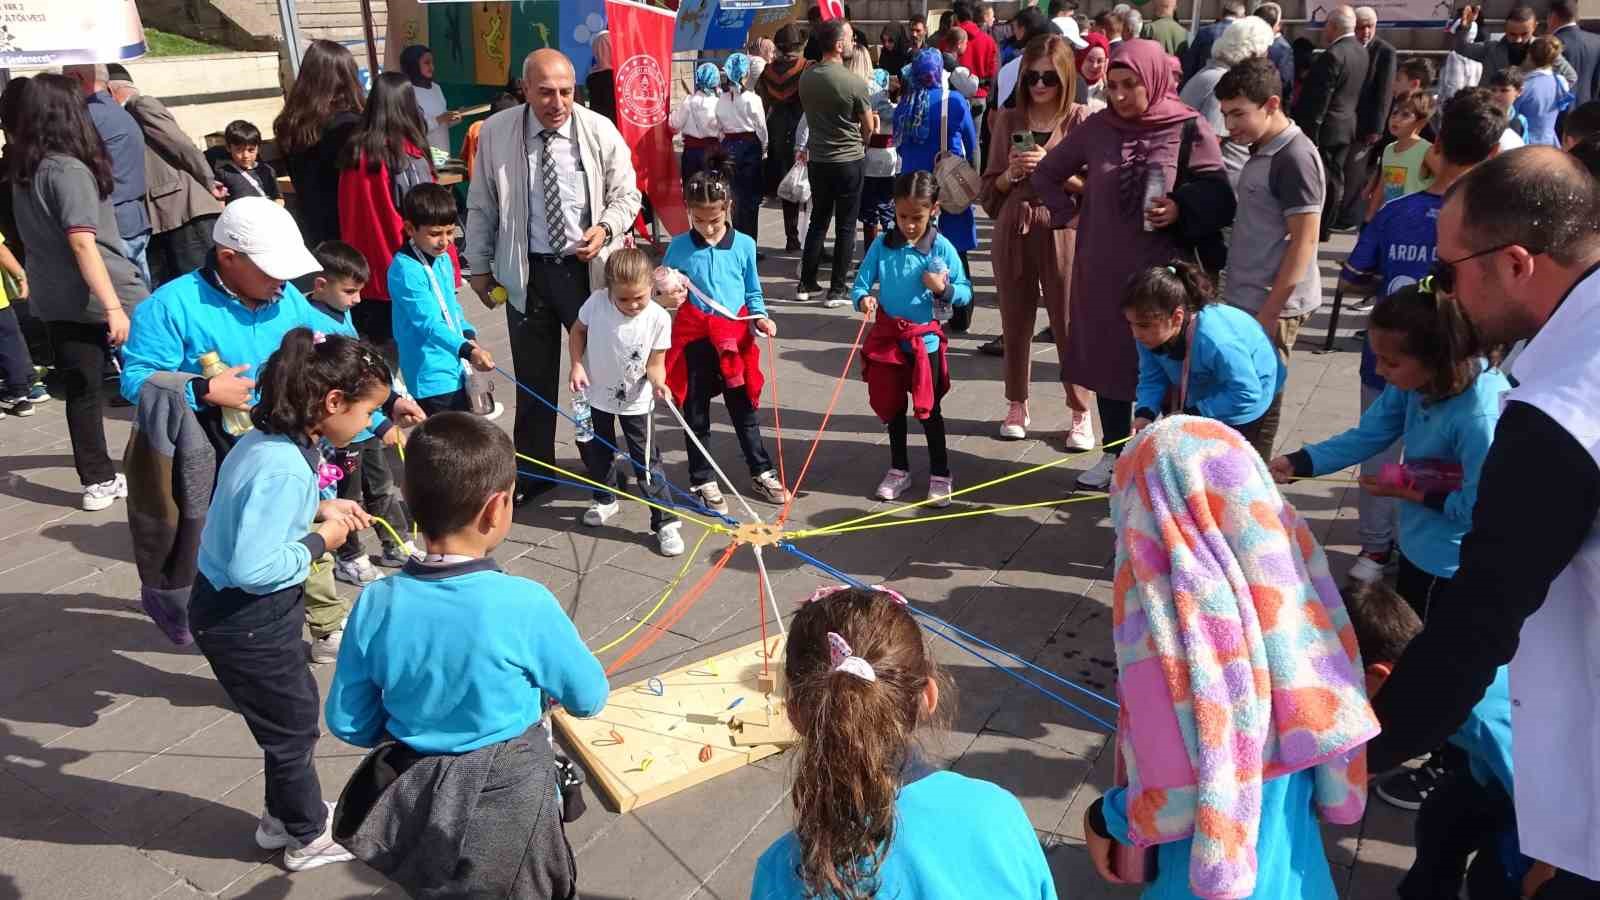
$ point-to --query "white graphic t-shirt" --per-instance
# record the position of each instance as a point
(619, 347)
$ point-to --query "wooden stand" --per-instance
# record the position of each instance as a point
(662, 735)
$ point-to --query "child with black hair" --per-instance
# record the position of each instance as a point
(872, 817)
(1470, 811)
(335, 292)
(436, 343)
(255, 554)
(1215, 357)
(914, 269)
(714, 348)
(1581, 124)
(1505, 86)
(244, 174)
(450, 664)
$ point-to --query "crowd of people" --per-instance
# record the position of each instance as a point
(1163, 196)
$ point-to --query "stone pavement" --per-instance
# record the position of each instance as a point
(123, 773)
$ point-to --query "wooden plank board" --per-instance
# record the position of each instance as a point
(664, 736)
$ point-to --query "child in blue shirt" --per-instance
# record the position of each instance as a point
(860, 682)
(1214, 358)
(713, 351)
(1470, 810)
(435, 341)
(255, 553)
(913, 267)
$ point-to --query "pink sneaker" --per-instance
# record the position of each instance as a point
(894, 483)
(1015, 427)
(939, 487)
(1080, 435)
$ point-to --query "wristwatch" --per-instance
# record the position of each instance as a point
(610, 235)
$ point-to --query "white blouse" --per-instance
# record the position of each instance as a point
(742, 112)
(696, 117)
(432, 105)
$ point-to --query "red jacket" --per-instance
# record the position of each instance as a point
(737, 352)
(982, 56)
(890, 375)
(369, 221)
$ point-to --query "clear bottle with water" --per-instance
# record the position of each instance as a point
(1155, 189)
(582, 417)
(942, 309)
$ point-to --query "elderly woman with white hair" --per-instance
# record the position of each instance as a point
(1245, 38)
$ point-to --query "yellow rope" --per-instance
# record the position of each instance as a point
(827, 532)
(390, 528)
(664, 595)
(714, 526)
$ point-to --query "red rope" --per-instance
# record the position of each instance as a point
(676, 612)
(833, 402)
(777, 420)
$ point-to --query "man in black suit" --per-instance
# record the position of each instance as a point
(1372, 115)
(1328, 103)
(1199, 52)
(1512, 48)
(1581, 48)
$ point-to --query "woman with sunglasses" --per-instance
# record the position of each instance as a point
(1032, 261)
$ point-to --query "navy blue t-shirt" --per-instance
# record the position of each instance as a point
(1400, 245)
(124, 142)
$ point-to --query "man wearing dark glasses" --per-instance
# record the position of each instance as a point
(1519, 247)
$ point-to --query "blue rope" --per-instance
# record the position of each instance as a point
(853, 582)
(693, 501)
(524, 473)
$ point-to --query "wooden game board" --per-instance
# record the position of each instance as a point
(645, 746)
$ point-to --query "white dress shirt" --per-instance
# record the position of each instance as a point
(742, 112)
(696, 117)
(431, 104)
(574, 197)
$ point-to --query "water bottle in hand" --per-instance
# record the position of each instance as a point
(582, 417)
(1155, 188)
(942, 310)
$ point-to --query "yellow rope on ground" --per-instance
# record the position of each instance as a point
(828, 532)
(714, 526)
(664, 595)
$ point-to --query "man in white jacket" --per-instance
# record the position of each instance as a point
(552, 192)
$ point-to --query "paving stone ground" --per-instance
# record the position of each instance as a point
(124, 774)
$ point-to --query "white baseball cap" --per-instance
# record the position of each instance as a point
(266, 233)
(1069, 30)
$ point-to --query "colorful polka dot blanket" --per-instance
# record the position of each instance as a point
(1235, 656)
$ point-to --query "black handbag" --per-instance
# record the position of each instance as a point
(1206, 206)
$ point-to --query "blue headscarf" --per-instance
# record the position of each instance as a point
(707, 78)
(921, 76)
(880, 81)
(737, 68)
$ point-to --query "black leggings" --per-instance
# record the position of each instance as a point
(1116, 422)
(933, 429)
(1418, 587)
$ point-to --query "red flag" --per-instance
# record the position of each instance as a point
(831, 9)
(641, 50)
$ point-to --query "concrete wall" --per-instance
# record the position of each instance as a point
(254, 24)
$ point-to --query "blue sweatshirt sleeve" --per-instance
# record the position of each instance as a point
(1239, 384)
(265, 505)
(557, 660)
(960, 282)
(446, 275)
(753, 298)
(1153, 382)
(355, 702)
(155, 344)
(414, 304)
(868, 275)
(1115, 809)
(1473, 437)
(1382, 424)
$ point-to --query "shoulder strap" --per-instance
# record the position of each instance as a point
(944, 123)
(1190, 132)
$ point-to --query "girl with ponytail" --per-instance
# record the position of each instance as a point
(1444, 401)
(1211, 359)
(255, 554)
(872, 819)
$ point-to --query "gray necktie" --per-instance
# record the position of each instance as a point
(554, 219)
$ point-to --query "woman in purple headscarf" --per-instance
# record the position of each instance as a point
(1098, 175)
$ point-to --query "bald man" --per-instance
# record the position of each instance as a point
(552, 192)
(1519, 244)
(1328, 103)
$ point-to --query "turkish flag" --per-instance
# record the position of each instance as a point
(641, 53)
(831, 9)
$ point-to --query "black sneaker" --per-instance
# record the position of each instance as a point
(807, 290)
(996, 347)
(17, 406)
(1408, 790)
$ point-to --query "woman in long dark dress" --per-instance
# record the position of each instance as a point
(779, 89)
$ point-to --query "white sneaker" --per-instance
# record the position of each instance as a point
(669, 539)
(1098, 478)
(711, 497)
(270, 834)
(325, 650)
(358, 571)
(498, 411)
(939, 487)
(836, 301)
(1015, 426)
(320, 851)
(599, 513)
(894, 483)
(99, 496)
(1080, 436)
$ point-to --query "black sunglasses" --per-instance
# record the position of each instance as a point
(1444, 270)
(1049, 79)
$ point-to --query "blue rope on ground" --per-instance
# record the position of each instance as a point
(693, 503)
(929, 617)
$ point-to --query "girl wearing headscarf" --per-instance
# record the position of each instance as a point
(602, 83)
(882, 163)
(1244, 717)
(894, 48)
(779, 88)
(417, 62)
(1109, 161)
(1092, 61)
(925, 100)
(696, 119)
(744, 140)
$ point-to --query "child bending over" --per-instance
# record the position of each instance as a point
(446, 669)
(872, 819)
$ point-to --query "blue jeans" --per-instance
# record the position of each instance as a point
(138, 251)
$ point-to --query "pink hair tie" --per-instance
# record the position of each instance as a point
(328, 475)
(829, 590)
(845, 660)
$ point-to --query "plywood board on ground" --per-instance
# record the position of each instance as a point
(645, 746)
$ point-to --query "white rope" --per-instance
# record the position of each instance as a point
(711, 459)
(716, 307)
(766, 585)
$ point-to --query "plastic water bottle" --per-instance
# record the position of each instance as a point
(582, 416)
(1155, 188)
(234, 421)
(1430, 476)
(942, 310)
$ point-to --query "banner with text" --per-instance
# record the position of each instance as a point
(52, 33)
